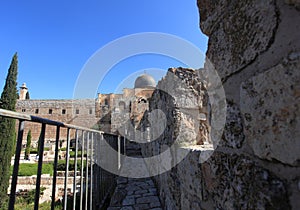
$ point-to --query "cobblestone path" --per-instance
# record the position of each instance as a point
(135, 194)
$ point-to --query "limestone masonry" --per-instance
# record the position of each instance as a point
(255, 47)
(106, 112)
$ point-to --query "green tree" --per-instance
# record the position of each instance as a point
(39, 144)
(28, 145)
(7, 128)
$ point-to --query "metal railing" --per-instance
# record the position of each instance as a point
(95, 184)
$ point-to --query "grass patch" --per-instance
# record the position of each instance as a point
(29, 169)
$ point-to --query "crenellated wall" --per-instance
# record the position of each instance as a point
(255, 48)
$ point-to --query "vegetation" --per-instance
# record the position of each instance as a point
(7, 127)
(39, 143)
(35, 150)
(42, 206)
(72, 154)
(61, 165)
(28, 197)
(63, 149)
(25, 201)
(28, 145)
(29, 169)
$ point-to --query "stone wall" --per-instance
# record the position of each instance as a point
(29, 183)
(77, 112)
(255, 48)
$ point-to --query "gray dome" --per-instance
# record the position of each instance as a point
(144, 81)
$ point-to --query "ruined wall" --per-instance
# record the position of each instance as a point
(115, 109)
(255, 48)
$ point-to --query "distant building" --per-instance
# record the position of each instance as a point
(23, 92)
(107, 112)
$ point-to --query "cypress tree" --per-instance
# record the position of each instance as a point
(39, 144)
(28, 145)
(7, 128)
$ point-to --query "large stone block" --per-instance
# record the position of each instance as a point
(270, 105)
(237, 182)
(233, 134)
(238, 31)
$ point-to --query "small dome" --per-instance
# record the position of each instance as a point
(144, 81)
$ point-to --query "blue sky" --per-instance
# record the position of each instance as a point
(54, 39)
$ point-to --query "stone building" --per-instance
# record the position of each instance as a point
(23, 91)
(106, 112)
(113, 109)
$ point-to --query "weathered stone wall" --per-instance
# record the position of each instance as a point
(78, 112)
(115, 109)
(255, 48)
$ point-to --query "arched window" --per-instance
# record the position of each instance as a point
(142, 100)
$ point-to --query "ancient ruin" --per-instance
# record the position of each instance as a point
(255, 48)
(106, 112)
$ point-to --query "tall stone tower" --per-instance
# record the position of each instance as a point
(23, 92)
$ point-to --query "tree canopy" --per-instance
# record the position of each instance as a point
(7, 128)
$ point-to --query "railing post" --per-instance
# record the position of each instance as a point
(119, 152)
(87, 171)
(16, 166)
(91, 171)
(75, 170)
(99, 169)
(81, 172)
(98, 182)
(40, 165)
(124, 149)
(67, 170)
(55, 168)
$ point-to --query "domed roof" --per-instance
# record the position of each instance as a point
(144, 81)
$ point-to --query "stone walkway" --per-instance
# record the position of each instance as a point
(135, 193)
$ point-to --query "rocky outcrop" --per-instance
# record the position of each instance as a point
(255, 48)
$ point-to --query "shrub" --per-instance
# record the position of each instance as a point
(28, 143)
(61, 165)
(72, 154)
(35, 151)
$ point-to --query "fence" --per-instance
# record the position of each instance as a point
(95, 185)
